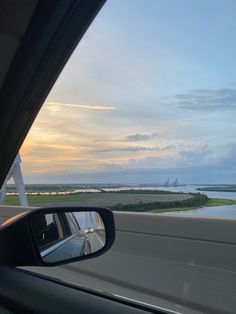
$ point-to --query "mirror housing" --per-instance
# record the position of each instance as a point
(19, 245)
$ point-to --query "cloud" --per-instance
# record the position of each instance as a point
(138, 164)
(183, 159)
(207, 99)
(82, 106)
(200, 156)
(136, 149)
(127, 149)
(140, 137)
(168, 147)
(197, 174)
(228, 160)
(193, 165)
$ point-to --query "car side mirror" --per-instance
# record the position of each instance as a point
(55, 236)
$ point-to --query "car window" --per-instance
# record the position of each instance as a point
(141, 120)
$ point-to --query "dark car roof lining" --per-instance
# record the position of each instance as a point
(14, 19)
(51, 36)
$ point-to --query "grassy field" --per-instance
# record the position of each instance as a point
(220, 202)
(124, 200)
(99, 199)
(35, 200)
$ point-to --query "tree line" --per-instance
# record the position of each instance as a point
(198, 200)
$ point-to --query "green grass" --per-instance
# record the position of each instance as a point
(176, 209)
(101, 199)
(220, 202)
(44, 199)
(211, 202)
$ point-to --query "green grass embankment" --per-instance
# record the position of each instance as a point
(210, 203)
(220, 202)
(35, 200)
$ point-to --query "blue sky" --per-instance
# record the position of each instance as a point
(149, 93)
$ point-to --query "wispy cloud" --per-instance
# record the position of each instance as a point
(207, 99)
(82, 106)
(140, 137)
(187, 158)
(126, 149)
(136, 149)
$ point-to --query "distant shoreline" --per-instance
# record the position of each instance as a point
(218, 189)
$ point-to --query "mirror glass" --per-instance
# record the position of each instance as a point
(64, 235)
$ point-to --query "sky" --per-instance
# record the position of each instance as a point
(149, 93)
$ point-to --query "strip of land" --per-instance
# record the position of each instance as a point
(136, 201)
(218, 189)
(105, 199)
(210, 203)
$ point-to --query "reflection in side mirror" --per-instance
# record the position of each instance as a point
(64, 235)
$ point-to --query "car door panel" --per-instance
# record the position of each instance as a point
(22, 292)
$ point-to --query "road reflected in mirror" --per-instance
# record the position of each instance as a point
(64, 235)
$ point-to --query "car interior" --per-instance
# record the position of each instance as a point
(36, 39)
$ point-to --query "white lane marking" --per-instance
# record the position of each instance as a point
(148, 304)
